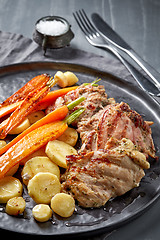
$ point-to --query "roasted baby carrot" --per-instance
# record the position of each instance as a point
(30, 143)
(27, 106)
(21, 94)
(44, 103)
(52, 96)
(9, 108)
(58, 114)
(33, 141)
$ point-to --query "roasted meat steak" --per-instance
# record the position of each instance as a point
(117, 121)
(94, 177)
(116, 143)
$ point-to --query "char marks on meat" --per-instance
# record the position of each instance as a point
(116, 143)
(94, 177)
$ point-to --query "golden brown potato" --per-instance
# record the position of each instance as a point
(21, 127)
(10, 187)
(70, 136)
(42, 212)
(63, 204)
(15, 206)
(43, 186)
(57, 151)
(35, 116)
(36, 165)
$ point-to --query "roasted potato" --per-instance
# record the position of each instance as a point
(15, 206)
(35, 116)
(70, 136)
(42, 212)
(57, 151)
(9, 187)
(63, 204)
(43, 186)
(21, 127)
(36, 165)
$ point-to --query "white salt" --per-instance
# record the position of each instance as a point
(53, 28)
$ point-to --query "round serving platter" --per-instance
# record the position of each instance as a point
(117, 211)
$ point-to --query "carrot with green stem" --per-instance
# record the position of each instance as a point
(10, 104)
(58, 114)
(43, 104)
(26, 107)
(52, 96)
(35, 140)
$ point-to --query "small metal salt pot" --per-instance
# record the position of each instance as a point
(53, 41)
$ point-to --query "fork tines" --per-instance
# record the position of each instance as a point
(84, 23)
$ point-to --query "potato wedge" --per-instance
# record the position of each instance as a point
(15, 206)
(43, 186)
(57, 151)
(35, 116)
(42, 212)
(63, 204)
(70, 136)
(9, 187)
(36, 165)
(21, 127)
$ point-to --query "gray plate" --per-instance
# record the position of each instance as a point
(121, 209)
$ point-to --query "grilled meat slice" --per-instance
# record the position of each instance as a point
(96, 99)
(117, 121)
(94, 177)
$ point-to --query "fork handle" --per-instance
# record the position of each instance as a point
(143, 82)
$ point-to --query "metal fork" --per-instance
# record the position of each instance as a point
(95, 38)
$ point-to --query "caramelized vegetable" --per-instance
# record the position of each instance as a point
(30, 143)
(57, 114)
(26, 107)
(21, 94)
(9, 108)
(33, 141)
(44, 103)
